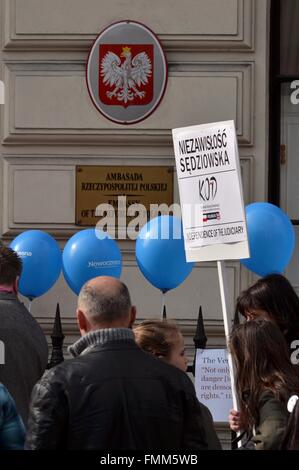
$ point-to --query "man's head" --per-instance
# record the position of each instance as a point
(10, 268)
(104, 302)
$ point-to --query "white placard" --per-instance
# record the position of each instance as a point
(212, 382)
(211, 195)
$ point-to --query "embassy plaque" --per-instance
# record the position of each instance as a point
(126, 72)
(146, 185)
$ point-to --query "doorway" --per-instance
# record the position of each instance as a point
(284, 117)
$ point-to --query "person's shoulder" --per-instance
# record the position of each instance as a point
(13, 307)
(21, 308)
(5, 397)
(266, 398)
(17, 309)
(270, 405)
(168, 371)
(64, 371)
(26, 320)
(266, 395)
(3, 394)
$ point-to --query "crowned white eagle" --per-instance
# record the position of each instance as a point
(126, 76)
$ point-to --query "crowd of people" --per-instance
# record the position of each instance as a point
(126, 386)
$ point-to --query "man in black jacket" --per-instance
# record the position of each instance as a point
(112, 395)
(22, 339)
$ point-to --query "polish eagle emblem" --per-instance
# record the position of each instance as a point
(127, 78)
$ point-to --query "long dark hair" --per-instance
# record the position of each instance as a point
(261, 360)
(274, 295)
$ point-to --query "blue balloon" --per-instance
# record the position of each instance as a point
(41, 257)
(88, 254)
(271, 239)
(160, 253)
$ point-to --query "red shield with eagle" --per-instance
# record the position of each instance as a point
(126, 74)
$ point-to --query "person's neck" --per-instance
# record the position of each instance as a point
(106, 326)
(99, 337)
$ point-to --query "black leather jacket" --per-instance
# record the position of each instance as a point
(115, 396)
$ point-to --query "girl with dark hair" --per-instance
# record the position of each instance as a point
(265, 380)
(272, 298)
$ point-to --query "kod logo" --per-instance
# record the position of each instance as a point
(207, 189)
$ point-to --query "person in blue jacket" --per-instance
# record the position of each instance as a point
(12, 430)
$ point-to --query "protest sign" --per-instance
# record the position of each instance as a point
(212, 382)
(211, 194)
(212, 205)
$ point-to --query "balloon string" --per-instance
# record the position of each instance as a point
(162, 305)
(29, 305)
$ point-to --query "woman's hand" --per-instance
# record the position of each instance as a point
(234, 420)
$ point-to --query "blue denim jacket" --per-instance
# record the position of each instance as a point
(12, 430)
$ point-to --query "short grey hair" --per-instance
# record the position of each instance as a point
(105, 306)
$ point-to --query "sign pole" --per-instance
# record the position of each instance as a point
(163, 309)
(225, 309)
